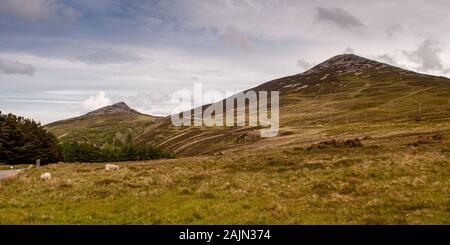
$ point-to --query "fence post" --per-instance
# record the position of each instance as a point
(38, 163)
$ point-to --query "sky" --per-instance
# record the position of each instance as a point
(63, 58)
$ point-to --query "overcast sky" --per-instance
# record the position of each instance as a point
(62, 58)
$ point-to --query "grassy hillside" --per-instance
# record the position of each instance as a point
(386, 181)
(101, 128)
(343, 90)
(327, 98)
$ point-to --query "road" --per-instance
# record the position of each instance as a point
(6, 173)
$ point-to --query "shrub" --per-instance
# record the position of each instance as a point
(85, 152)
(422, 140)
(336, 144)
(24, 140)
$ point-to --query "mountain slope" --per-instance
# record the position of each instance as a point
(344, 95)
(107, 124)
(338, 95)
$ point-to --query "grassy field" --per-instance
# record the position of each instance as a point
(9, 167)
(278, 181)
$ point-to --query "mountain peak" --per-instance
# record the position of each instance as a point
(346, 63)
(117, 108)
(331, 70)
(121, 104)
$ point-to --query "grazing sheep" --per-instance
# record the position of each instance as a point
(46, 176)
(111, 167)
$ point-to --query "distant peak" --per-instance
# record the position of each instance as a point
(346, 58)
(346, 63)
(117, 108)
(346, 55)
(121, 105)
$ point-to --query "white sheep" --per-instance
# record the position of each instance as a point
(111, 167)
(46, 176)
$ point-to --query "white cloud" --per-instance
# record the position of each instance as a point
(387, 59)
(95, 102)
(38, 9)
(160, 46)
(105, 56)
(427, 55)
(394, 29)
(232, 36)
(305, 65)
(349, 50)
(15, 67)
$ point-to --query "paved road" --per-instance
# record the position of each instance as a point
(6, 173)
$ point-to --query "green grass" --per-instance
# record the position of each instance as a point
(8, 167)
(100, 129)
(384, 182)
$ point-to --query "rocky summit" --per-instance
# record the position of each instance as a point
(117, 108)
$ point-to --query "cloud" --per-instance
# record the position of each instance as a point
(178, 40)
(15, 67)
(387, 59)
(338, 17)
(305, 65)
(348, 50)
(95, 102)
(394, 29)
(427, 55)
(104, 56)
(33, 10)
(232, 36)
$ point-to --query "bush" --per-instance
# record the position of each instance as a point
(85, 152)
(24, 140)
(336, 144)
